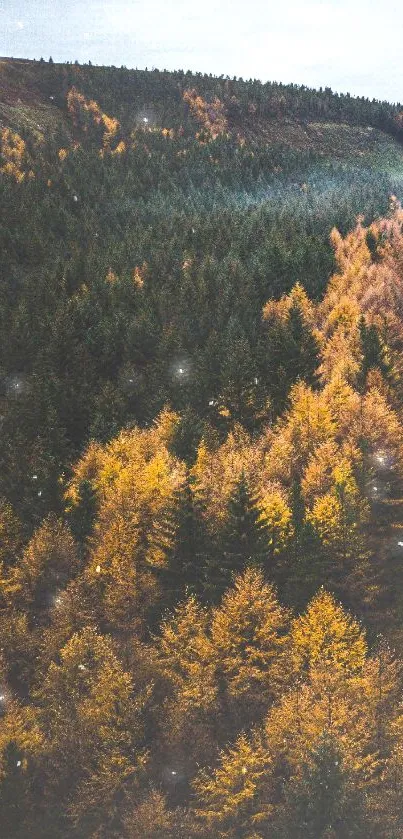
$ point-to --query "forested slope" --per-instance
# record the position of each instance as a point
(147, 217)
(201, 529)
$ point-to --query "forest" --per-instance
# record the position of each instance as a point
(201, 482)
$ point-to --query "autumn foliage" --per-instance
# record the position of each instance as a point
(210, 115)
(87, 114)
(201, 474)
(13, 156)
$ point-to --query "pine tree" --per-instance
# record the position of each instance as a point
(13, 791)
(292, 351)
(188, 434)
(302, 571)
(241, 396)
(91, 714)
(47, 564)
(11, 534)
(372, 245)
(239, 795)
(337, 518)
(151, 819)
(185, 533)
(21, 744)
(303, 347)
(189, 722)
(245, 537)
(321, 802)
(327, 634)
(82, 513)
(373, 351)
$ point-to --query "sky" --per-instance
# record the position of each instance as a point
(353, 46)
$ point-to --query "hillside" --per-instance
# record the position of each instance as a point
(126, 91)
(201, 483)
(214, 193)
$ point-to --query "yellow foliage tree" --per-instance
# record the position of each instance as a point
(237, 799)
(248, 634)
(217, 472)
(134, 479)
(48, 562)
(326, 634)
(186, 656)
(210, 115)
(338, 515)
(86, 113)
(13, 154)
(277, 519)
(91, 720)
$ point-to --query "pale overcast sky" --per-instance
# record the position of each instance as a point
(348, 45)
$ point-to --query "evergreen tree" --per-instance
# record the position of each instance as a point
(242, 397)
(303, 347)
(291, 353)
(302, 572)
(245, 538)
(373, 351)
(185, 533)
(13, 791)
(188, 434)
(372, 244)
(11, 534)
(322, 803)
(82, 513)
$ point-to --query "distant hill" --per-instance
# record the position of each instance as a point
(292, 114)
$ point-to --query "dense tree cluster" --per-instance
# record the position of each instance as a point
(133, 249)
(153, 683)
(201, 533)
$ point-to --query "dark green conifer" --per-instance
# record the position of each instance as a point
(82, 515)
(242, 543)
(291, 353)
(242, 394)
(185, 535)
(13, 792)
(322, 802)
(373, 351)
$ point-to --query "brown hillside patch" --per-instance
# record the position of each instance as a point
(16, 87)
